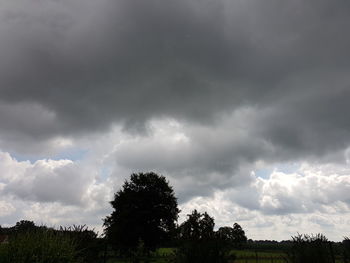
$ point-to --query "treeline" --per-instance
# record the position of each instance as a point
(144, 220)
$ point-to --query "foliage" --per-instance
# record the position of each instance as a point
(199, 243)
(310, 249)
(144, 209)
(24, 226)
(39, 246)
(233, 235)
(197, 227)
(238, 234)
(346, 249)
(87, 244)
(40, 241)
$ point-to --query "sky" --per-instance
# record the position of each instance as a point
(241, 104)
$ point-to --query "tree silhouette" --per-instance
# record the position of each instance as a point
(24, 226)
(199, 243)
(239, 236)
(145, 210)
(234, 235)
(197, 226)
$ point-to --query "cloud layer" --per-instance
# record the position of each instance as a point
(219, 96)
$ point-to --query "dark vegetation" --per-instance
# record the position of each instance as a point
(28, 243)
(143, 228)
(198, 242)
(145, 209)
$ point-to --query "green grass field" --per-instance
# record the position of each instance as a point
(250, 256)
(243, 256)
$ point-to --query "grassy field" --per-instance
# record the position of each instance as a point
(250, 256)
(162, 255)
(243, 256)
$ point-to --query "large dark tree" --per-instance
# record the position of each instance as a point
(145, 210)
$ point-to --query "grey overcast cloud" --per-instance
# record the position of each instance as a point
(242, 104)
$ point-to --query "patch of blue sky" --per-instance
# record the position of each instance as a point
(105, 172)
(25, 157)
(75, 154)
(263, 173)
(69, 154)
(286, 168)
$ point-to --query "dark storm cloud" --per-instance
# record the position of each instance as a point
(88, 65)
(141, 60)
(313, 123)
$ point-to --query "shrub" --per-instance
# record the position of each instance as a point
(310, 249)
(87, 245)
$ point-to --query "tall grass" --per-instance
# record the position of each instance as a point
(39, 246)
(87, 245)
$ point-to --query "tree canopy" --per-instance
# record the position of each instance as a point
(24, 226)
(235, 235)
(145, 210)
(198, 226)
(199, 243)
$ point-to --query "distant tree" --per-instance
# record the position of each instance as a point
(198, 242)
(24, 226)
(197, 226)
(239, 236)
(145, 210)
(234, 235)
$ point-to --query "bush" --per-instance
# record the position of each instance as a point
(87, 245)
(310, 249)
(39, 246)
